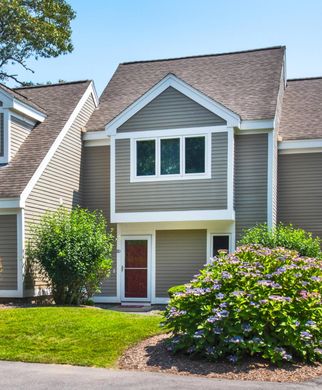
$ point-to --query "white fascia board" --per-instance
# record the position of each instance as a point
(300, 144)
(169, 216)
(29, 111)
(172, 81)
(97, 142)
(10, 203)
(94, 135)
(257, 124)
(32, 182)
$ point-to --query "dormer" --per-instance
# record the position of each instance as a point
(18, 116)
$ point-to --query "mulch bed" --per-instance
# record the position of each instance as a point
(151, 355)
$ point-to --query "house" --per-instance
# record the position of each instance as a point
(180, 154)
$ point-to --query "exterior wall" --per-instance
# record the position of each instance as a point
(179, 255)
(171, 109)
(60, 181)
(300, 191)
(95, 190)
(8, 252)
(19, 131)
(251, 162)
(198, 194)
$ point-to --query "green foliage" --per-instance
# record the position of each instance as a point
(73, 250)
(71, 335)
(33, 28)
(283, 236)
(256, 301)
(176, 289)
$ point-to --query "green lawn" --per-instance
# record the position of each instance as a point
(79, 336)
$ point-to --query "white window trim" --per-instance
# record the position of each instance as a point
(182, 175)
(230, 243)
(5, 158)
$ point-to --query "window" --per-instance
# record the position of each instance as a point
(145, 158)
(218, 243)
(167, 158)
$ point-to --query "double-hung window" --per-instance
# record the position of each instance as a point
(171, 158)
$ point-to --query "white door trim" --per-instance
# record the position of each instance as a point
(122, 268)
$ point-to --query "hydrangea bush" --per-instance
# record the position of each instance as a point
(256, 301)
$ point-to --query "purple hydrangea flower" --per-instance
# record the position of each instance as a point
(218, 330)
(236, 340)
(198, 334)
(246, 327)
(220, 296)
(318, 351)
(305, 335)
(226, 275)
(233, 359)
(310, 323)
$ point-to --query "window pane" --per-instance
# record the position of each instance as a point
(170, 156)
(145, 158)
(195, 154)
(220, 242)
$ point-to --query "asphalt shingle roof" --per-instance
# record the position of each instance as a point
(301, 116)
(60, 100)
(245, 82)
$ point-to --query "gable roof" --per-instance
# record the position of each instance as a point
(247, 83)
(60, 101)
(301, 116)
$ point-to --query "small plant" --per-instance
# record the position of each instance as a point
(72, 250)
(286, 236)
(256, 301)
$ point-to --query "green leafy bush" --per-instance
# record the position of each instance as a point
(176, 289)
(256, 301)
(72, 249)
(286, 236)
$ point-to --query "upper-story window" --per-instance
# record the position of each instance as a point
(171, 158)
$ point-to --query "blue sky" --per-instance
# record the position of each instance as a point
(107, 32)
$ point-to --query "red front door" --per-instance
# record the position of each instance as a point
(136, 269)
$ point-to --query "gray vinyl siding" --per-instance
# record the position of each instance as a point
(201, 194)
(251, 159)
(300, 191)
(1, 134)
(19, 132)
(180, 254)
(8, 252)
(171, 109)
(95, 190)
(60, 181)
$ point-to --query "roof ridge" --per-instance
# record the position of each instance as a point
(205, 55)
(305, 78)
(52, 85)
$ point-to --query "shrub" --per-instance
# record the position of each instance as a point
(286, 236)
(176, 289)
(256, 301)
(73, 250)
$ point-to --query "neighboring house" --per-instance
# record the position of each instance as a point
(180, 154)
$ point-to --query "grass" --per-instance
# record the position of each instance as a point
(79, 336)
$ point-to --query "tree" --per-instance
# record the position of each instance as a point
(73, 251)
(33, 28)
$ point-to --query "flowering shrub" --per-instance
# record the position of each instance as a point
(256, 301)
(286, 236)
